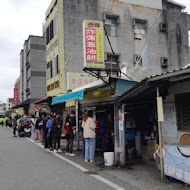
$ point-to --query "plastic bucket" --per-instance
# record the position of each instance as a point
(108, 158)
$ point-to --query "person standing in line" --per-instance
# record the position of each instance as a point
(69, 136)
(33, 128)
(84, 117)
(45, 130)
(39, 125)
(57, 125)
(49, 130)
(89, 135)
(72, 123)
(14, 126)
(103, 131)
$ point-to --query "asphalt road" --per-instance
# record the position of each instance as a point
(26, 166)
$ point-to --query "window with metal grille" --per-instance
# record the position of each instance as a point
(110, 61)
(183, 111)
(111, 23)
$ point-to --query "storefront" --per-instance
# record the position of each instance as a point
(138, 111)
(99, 97)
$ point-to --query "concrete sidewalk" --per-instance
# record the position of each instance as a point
(137, 173)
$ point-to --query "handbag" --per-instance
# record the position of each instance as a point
(40, 123)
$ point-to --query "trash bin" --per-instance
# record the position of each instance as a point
(108, 158)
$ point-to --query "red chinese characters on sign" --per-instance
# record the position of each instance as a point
(80, 81)
(91, 51)
(16, 95)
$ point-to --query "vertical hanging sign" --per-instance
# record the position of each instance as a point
(16, 95)
(93, 43)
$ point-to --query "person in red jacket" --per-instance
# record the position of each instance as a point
(69, 136)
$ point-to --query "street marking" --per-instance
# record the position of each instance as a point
(71, 162)
(107, 182)
(113, 185)
(29, 139)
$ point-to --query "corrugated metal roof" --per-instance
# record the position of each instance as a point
(154, 78)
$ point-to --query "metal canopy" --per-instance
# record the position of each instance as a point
(77, 95)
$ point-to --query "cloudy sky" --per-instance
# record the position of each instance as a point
(19, 19)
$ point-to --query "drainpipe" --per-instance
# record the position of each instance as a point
(160, 139)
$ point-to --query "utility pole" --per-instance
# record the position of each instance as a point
(160, 139)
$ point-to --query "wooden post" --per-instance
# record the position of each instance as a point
(160, 142)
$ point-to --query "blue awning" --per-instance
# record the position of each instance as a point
(123, 86)
(78, 95)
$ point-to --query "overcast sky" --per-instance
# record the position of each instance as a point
(19, 19)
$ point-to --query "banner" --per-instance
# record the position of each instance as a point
(98, 96)
(16, 95)
(93, 42)
(20, 111)
(70, 103)
(75, 80)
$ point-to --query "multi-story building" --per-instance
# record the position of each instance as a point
(32, 72)
(150, 34)
(2, 108)
(10, 103)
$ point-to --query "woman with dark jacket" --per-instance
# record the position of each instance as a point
(69, 136)
(39, 127)
(56, 127)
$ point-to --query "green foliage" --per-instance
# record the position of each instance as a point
(9, 112)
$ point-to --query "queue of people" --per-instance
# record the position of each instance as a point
(47, 128)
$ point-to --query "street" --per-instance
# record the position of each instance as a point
(24, 165)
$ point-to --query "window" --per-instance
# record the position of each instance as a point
(139, 26)
(52, 86)
(49, 32)
(51, 69)
(183, 111)
(48, 88)
(189, 37)
(111, 61)
(56, 84)
(57, 64)
(111, 24)
(47, 35)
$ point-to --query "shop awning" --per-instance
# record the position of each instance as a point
(27, 102)
(123, 85)
(45, 99)
(77, 95)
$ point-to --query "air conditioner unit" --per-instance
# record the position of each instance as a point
(163, 27)
(164, 61)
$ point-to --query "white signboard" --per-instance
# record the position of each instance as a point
(169, 126)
